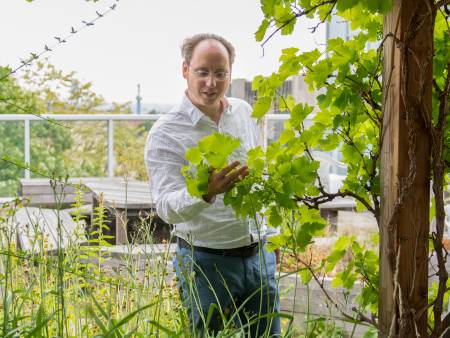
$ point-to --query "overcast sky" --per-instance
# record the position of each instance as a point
(139, 41)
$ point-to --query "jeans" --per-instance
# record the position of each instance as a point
(226, 293)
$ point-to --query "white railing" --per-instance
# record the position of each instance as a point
(110, 118)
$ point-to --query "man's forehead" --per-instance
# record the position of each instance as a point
(210, 46)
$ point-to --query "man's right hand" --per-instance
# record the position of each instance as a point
(222, 181)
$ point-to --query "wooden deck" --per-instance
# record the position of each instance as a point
(39, 192)
(127, 202)
(116, 192)
(121, 194)
(46, 229)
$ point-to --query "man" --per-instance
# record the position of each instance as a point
(223, 270)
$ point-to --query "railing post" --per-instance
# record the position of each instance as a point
(110, 148)
(27, 146)
(264, 131)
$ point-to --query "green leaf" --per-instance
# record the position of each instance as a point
(212, 150)
(333, 259)
(343, 243)
(381, 6)
(261, 32)
(272, 151)
(330, 142)
(277, 241)
(257, 82)
(303, 239)
(343, 5)
(371, 333)
(287, 103)
(261, 106)
(288, 53)
(305, 276)
(313, 227)
(309, 58)
(216, 160)
(191, 186)
(255, 160)
(268, 7)
(284, 18)
(217, 147)
(299, 114)
(337, 281)
(193, 155)
(275, 218)
(305, 3)
(286, 136)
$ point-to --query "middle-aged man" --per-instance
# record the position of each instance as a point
(220, 261)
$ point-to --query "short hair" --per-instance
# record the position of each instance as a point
(189, 44)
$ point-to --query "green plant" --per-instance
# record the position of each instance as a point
(284, 184)
(73, 293)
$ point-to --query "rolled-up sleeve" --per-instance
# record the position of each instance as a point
(164, 158)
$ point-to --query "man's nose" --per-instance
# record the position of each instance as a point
(211, 80)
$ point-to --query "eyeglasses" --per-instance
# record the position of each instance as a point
(203, 74)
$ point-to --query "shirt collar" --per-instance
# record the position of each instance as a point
(196, 114)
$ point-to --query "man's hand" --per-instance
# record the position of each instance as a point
(224, 180)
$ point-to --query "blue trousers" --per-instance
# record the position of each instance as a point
(222, 291)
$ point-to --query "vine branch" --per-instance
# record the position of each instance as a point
(297, 15)
(59, 41)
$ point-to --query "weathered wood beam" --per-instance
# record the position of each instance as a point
(405, 169)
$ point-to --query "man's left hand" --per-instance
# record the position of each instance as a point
(222, 181)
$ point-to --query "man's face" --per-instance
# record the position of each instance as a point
(208, 74)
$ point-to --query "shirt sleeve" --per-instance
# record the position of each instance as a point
(164, 158)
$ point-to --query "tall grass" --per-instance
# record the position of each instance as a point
(82, 290)
(79, 290)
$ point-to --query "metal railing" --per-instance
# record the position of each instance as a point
(110, 118)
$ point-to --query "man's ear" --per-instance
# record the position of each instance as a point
(185, 69)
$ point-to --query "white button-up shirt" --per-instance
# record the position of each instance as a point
(207, 225)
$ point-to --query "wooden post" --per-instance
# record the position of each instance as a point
(121, 226)
(405, 169)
